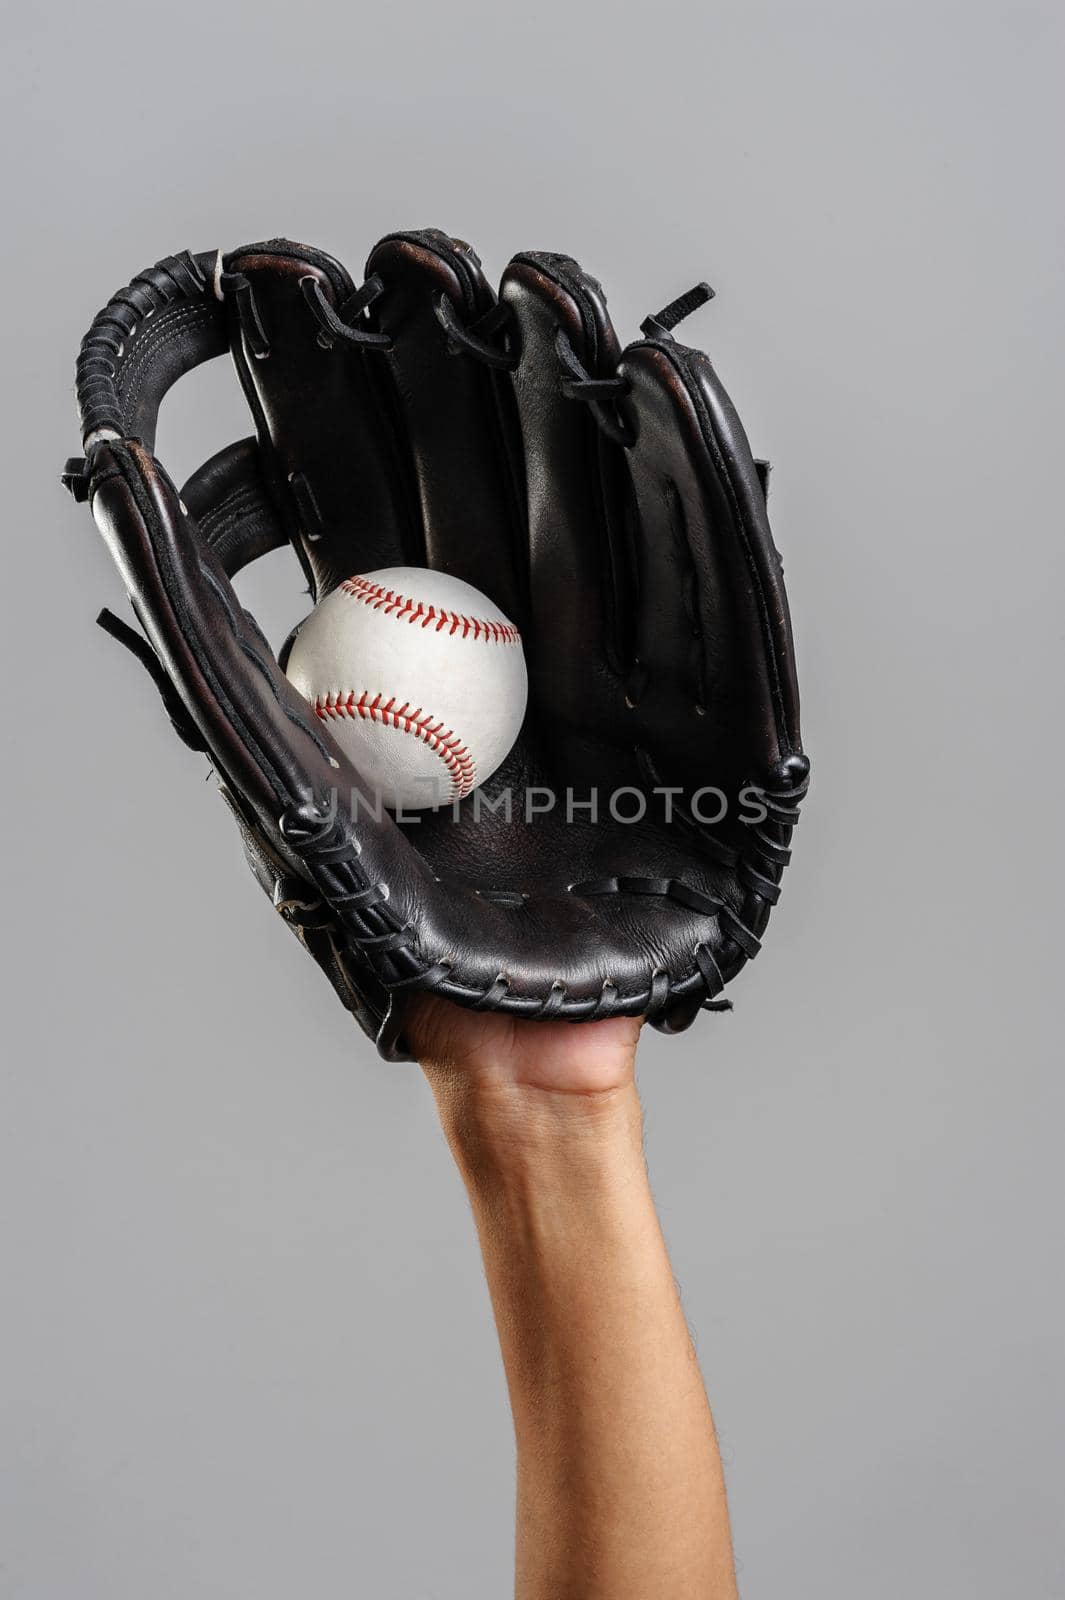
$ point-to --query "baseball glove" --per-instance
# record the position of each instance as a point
(605, 498)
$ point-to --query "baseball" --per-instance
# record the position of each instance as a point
(419, 678)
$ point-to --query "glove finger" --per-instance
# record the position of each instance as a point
(579, 554)
(232, 507)
(715, 677)
(332, 461)
(454, 408)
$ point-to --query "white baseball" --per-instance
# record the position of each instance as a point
(419, 678)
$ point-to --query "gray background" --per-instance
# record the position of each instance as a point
(247, 1349)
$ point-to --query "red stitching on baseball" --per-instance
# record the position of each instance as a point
(447, 745)
(407, 610)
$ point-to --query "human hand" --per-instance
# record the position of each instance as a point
(620, 1490)
(507, 1088)
(493, 1054)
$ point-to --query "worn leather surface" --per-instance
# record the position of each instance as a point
(643, 576)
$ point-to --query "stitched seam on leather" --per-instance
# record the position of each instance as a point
(132, 377)
(144, 341)
(217, 525)
(404, 609)
(100, 361)
(444, 743)
(232, 512)
(245, 493)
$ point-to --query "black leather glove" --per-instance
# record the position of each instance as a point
(606, 499)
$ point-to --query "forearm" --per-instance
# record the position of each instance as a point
(620, 1490)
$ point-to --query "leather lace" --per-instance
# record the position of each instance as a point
(606, 396)
(347, 323)
(476, 338)
(603, 395)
